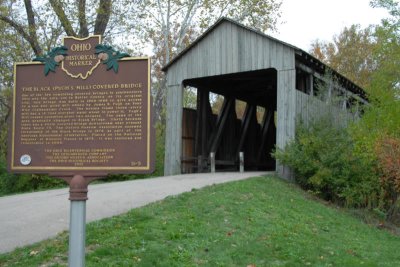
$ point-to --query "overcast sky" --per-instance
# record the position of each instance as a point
(308, 20)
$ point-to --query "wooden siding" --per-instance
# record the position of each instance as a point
(230, 48)
(309, 108)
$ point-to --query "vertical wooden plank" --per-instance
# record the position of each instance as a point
(227, 49)
(173, 134)
(279, 56)
(235, 48)
(266, 55)
(272, 55)
(260, 52)
(247, 51)
(253, 51)
(288, 58)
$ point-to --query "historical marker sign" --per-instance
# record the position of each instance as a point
(74, 114)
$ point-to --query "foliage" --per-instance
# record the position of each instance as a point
(350, 53)
(388, 154)
(371, 58)
(378, 131)
(324, 161)
(70, 17)
(13, 183)
(190, 97)
(258, 222)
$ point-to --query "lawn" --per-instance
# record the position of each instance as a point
(256, 222)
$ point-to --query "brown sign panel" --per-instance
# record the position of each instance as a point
(82, 118)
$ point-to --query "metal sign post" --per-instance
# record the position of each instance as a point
(77, 224)
(78, 190)
(77, 234)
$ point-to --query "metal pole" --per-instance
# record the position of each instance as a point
(77, 234)
(78, 188)
(212, 159)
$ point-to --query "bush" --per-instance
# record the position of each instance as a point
(388, 154)
(17, 183)
(324, 163)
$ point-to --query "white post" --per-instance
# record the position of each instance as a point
(241, 161)
(212, 161)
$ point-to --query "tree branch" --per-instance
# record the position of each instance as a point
(59, 10)
(23, 33)
(83, 27)
(185, 24)
(32, 27)
(103, 16)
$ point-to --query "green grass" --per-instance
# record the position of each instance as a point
(260, 222)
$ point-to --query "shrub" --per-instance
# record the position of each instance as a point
(17, 183)
(324, 163)
(388, 154)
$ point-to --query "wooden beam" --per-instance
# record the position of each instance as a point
(219, 118)
(245, 126)
(224, 114)
(264, 132)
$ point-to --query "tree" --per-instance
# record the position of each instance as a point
(386, 80)
(351, 53)
(74, 18)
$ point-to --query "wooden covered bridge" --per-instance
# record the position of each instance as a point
(275, 80)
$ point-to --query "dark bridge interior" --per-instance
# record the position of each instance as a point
(226, 133)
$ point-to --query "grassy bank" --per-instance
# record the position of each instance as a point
(260, 222)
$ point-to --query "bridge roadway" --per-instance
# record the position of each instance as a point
(29, 218)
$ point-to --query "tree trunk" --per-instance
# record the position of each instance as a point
(59, 10)
(32, 27)
(103, 16)
(83, 31)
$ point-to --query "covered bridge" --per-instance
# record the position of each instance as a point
(274, 81)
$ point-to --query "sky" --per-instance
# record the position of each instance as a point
(307, 20)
